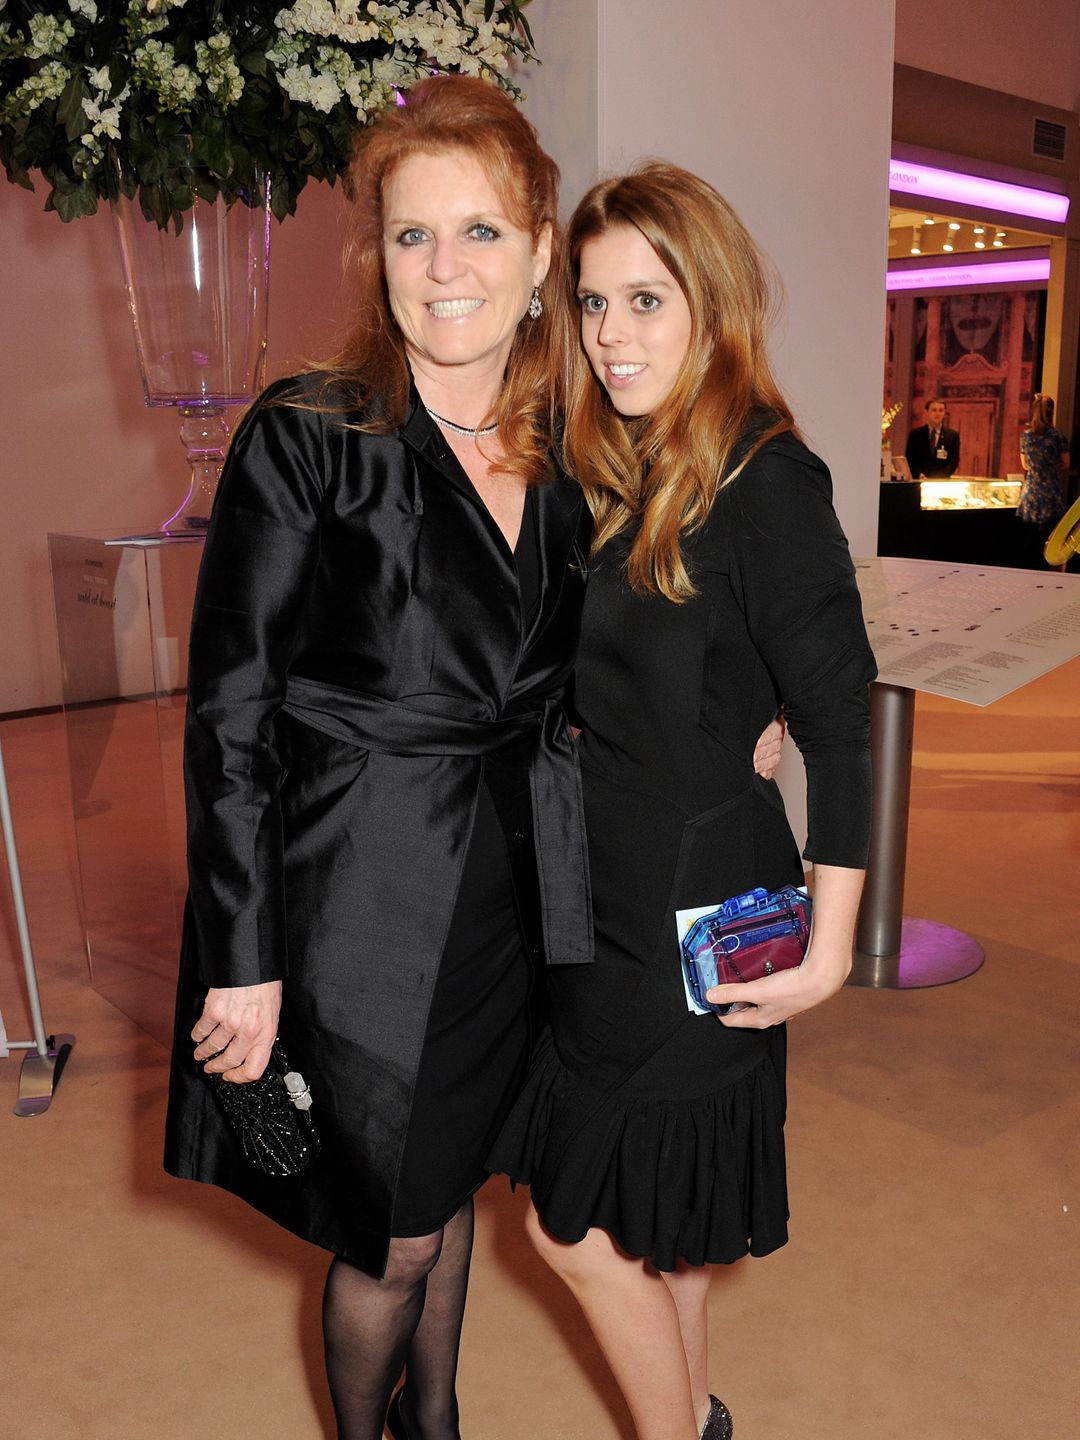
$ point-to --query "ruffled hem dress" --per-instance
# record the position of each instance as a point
(658, 1125)
(700, 1179)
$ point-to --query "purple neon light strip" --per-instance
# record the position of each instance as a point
(974, 190)
(989, 274)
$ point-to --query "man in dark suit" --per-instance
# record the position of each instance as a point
(933, 450)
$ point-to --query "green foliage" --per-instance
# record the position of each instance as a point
(176, 99)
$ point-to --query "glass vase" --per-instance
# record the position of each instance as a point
(198, 302)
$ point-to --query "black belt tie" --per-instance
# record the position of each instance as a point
(391, 728)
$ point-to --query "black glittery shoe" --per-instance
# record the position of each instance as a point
(718, 1426)
(395, 1421)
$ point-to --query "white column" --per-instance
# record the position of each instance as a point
(786, 108)
(562, 93)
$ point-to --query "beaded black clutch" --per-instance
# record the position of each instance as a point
(271, 1117)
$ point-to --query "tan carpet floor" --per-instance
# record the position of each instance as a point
(932, 1285)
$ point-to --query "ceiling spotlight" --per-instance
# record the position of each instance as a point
(979, 229)
(980, 244)
(929, 220)
(999, 244)
(1000, 234)
(954, 225)
(948, 247)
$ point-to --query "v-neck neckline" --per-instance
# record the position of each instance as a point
(422, 432)
(511, 550)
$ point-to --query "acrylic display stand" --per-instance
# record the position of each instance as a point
(123, 609)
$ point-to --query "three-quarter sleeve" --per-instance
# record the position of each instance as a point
(795, 582)
(261, 552)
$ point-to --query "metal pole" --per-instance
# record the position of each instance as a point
(892, 952)
(892, 729)
(40, 1041)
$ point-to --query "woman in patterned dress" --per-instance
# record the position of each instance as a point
(1044, 453)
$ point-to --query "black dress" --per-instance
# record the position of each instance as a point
(662, 1127)
(476, 1045)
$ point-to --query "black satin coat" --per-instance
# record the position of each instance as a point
(356, 650)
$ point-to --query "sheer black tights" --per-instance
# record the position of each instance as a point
(411, 1318)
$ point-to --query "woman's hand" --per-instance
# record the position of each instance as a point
(237, 1028)
(827, 964)
(769, 746)
(776, 998)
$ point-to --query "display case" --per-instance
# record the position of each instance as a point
(123, 611)
(969, 492)
(970, 519)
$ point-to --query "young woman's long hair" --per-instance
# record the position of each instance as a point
(1042, 413)
(666, 469)
(449, 114)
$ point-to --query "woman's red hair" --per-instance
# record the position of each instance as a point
(448, 113)
(666, 469)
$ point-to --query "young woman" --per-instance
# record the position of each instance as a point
(1044, 454)
(720, 587)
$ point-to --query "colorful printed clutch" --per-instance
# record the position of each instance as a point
(745, 938)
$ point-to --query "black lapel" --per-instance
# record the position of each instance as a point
(563, 536)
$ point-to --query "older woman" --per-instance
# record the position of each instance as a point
(720, 587)
(376, 750)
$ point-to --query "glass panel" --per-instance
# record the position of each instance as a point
(964, 492)
(122, 613)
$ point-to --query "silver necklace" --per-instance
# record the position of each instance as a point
(461, 429)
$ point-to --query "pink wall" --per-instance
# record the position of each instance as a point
(80, 451)
(1031, 50)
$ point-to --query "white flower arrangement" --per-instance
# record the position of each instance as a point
(183, 98)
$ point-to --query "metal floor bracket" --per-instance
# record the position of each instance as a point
(46, 1055)
(40, 1075)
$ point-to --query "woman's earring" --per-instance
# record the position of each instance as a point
(536, 305)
